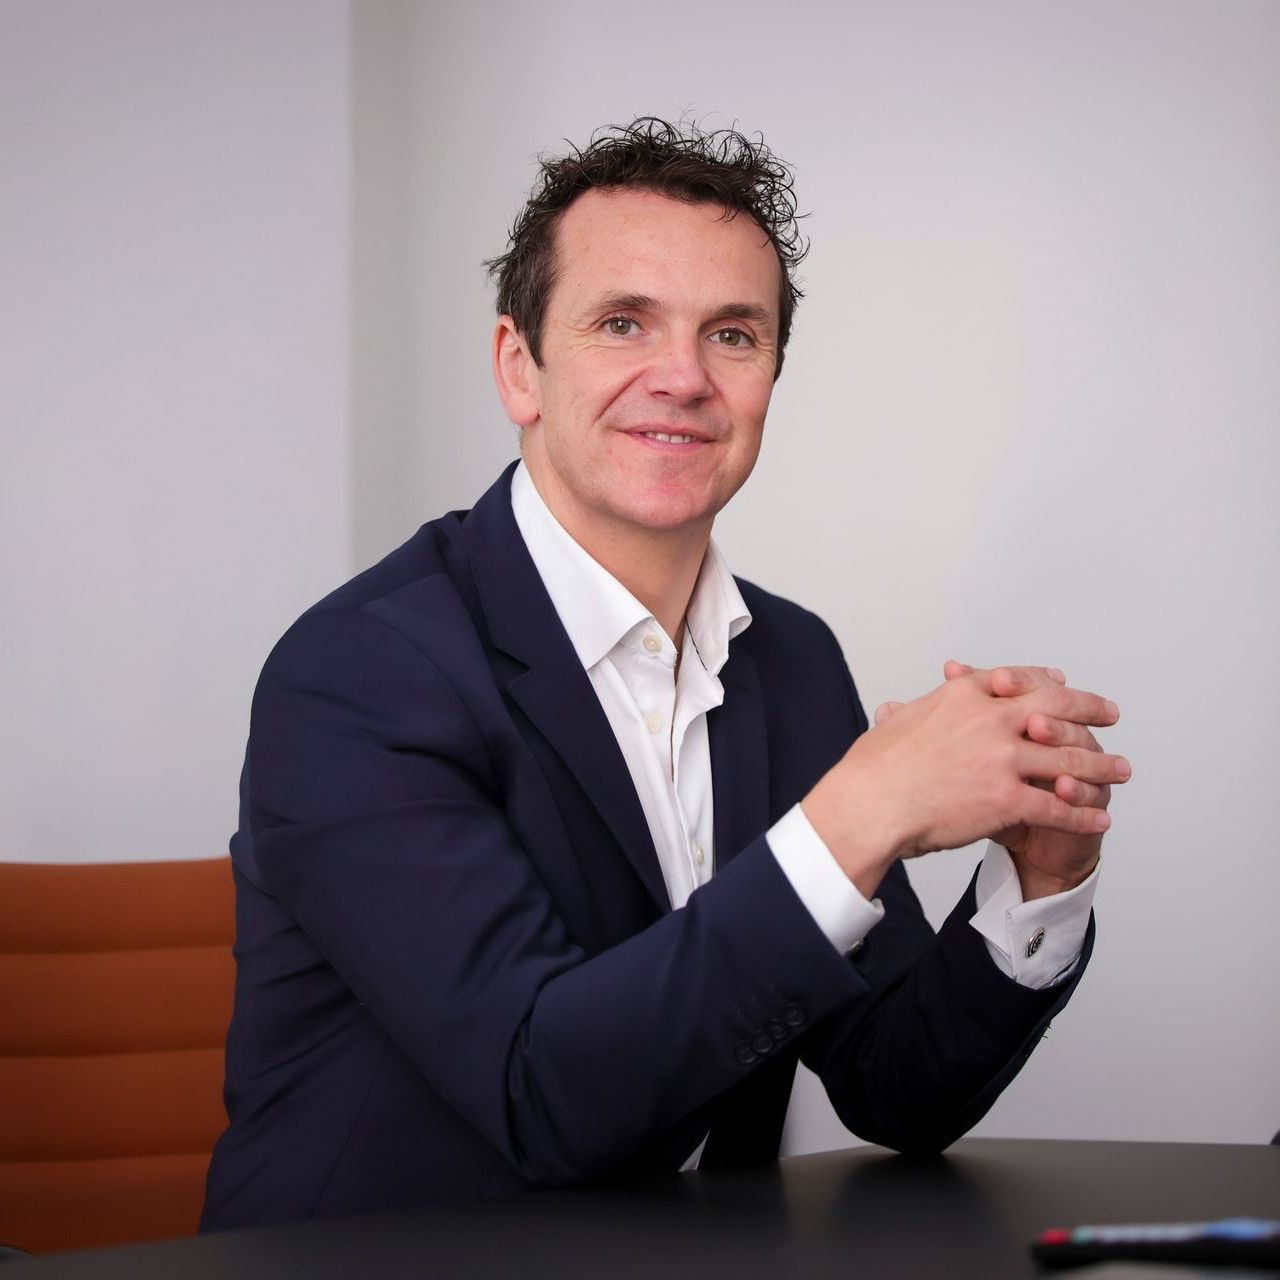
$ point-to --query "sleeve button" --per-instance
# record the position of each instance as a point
(793, 1015)
(744, 1053)
(761, 1043)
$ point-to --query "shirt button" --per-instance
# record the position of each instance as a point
(698, 855)
(1033, 944)
(653, 644)
(653, 722)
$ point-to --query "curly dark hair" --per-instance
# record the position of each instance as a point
(721, 167)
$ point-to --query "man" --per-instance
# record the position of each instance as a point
(559, 846)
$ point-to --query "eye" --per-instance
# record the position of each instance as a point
(620, 326)
(731, 338)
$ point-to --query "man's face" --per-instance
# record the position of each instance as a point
(663, 323)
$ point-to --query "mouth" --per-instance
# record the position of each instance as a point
(660, 437)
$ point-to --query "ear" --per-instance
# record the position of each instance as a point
(516, 374)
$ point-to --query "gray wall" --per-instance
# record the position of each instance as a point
(174, 400)
(1029, 412)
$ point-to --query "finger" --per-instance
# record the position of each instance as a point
(1050, 763)
(951, 669)
(1009, 682)
(885, 710)
(1059, 733)
(1047, 809)
(1081, 794)
(1074, 705)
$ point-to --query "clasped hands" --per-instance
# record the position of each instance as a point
(1006, 754)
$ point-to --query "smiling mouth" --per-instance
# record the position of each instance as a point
(669, 439)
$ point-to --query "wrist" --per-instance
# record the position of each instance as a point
(856, 826)
(1038, 883)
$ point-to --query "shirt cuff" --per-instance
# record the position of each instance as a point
(1035, 943)
(838, 909)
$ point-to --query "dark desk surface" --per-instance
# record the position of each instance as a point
(858, 1215)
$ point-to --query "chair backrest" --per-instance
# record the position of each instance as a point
(116, 984)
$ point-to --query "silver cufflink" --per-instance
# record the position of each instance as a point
(1034, 945)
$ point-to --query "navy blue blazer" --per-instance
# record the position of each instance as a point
(458, 972)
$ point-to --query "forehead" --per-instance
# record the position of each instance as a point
(647, 243)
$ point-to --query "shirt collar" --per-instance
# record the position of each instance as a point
(597, 610)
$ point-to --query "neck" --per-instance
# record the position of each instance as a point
(658, 566)
(660, 571)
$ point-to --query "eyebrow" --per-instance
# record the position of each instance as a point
(622, 302)
(746, 311)
(642, 302)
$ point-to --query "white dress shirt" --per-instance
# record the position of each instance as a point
(659, 718)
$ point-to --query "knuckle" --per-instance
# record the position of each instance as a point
(1045, 728)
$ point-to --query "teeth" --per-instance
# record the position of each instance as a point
(662, 435)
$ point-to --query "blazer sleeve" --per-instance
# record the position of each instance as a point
(377, 821)
(924, 1059)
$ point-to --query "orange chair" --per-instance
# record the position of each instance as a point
(116, 986)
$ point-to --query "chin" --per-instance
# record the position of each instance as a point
(668, 516)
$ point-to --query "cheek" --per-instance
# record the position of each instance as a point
(753, 401)
(590, 395)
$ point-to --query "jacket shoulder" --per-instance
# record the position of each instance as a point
(423, 556)
(368, 629)
(778, 624)
(801, 665)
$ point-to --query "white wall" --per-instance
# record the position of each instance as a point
(1029, 414)
(174, 400)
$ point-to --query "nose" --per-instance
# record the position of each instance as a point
(678, 371)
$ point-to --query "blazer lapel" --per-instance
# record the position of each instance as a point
(549, 683)
(739, 758)
(558, 698)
